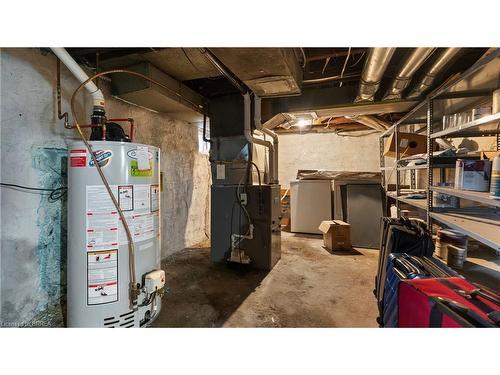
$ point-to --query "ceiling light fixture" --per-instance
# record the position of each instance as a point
(302, 123)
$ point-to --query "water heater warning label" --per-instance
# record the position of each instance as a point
(102, 277)
(102, 219)
(140, 204)
(78, 158)
(126, 197)
(155, 198)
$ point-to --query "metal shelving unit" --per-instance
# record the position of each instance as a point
(465, 91)
(419, 203)
(487, 125)
(475, 196)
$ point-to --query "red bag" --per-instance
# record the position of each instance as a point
(447, 302)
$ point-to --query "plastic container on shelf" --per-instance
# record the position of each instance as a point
(495, 178)
(394, 211)
(481, 111)
(442, 200)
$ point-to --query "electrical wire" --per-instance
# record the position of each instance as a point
(357, 61)
(55, 194)
(324, 66)
(328, 123)
(258, 172)
(345, 63)
(194, 65)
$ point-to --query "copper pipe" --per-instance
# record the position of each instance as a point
(134, 290)
(61, 115)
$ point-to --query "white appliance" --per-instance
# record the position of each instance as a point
(311, 203)
(98, 254)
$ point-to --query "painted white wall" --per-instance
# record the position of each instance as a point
(326, 151)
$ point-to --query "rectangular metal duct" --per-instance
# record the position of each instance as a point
(266, 71)
(176, 99)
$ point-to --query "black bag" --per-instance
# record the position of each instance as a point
(400, 235)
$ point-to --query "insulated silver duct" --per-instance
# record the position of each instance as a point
(375, 66)
(436, 68)
(405, 74)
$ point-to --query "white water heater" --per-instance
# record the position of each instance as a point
(98, 255)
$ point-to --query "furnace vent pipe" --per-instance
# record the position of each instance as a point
(416, 59)
(274, 136)
(249, 135)
(436, 68)
(273, 149)
(375, 66)
(72, 65)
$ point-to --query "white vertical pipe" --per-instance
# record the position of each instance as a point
(248, 132)
(274, 136)
(81, 76)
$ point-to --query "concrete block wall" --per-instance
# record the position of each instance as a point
(326, 151)
(33, 153)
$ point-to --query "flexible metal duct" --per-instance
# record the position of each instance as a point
(405, 74)
(433, 71)
(375, 66)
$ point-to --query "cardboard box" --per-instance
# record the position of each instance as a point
(409, 144)
(336, 235)
(490, 155)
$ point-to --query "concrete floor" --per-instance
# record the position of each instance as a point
(309, 287)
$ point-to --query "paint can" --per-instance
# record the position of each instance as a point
(447, 237)
(495, 179)
(456, 256)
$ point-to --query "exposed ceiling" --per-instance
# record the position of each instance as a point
(323, 81)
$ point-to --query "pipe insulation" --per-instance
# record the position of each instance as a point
(370, 121)
(414, 61)
(81, 76)
(436, 68)
(375, 66)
